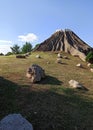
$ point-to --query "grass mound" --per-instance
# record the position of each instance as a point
(49, 104)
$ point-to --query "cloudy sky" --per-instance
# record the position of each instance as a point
(35, 20)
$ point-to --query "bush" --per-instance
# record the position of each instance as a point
(1, 54)
(89, 57)
(9, 53)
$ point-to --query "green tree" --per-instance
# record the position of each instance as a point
(27, 47)
(15, 49)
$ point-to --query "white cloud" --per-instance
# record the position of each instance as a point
(30, 37)
(5, 41)
(5, 48)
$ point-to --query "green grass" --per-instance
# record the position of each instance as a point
(50, 104)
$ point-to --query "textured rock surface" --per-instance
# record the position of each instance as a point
(35, 73)
(66, 41)
(15, 122)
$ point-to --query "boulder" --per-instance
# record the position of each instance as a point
(77, 85)
(15, 122)
(35, 73)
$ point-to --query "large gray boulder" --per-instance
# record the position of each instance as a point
(35, 73)
(15, 122)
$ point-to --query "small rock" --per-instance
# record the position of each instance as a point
(48, 62)
(79, 65)
(59, 55)
(77, 85)
(59, 60)
(65, 57)
(91, 69)
(89, 64)
(38, 56)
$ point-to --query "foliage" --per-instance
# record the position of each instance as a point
(15, 49)
(36, 46)
(27, 47)
(89, 57)
(1, 54)
(9, 53)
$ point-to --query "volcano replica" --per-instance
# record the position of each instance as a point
(66, 41)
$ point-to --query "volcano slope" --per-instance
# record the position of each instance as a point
(66, 41)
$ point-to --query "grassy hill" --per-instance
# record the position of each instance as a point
(50, 104)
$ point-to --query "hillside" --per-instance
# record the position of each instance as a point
(50, 104)
(66, 41)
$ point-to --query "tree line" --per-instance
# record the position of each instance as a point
(27, 47)
(16, 49)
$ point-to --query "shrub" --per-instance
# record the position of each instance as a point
(9, 53)
(1, 54)
(89, 57)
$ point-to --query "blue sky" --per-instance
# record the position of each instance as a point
(36, 20)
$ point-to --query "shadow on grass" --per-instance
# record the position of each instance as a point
(59, 109)
(8, 91)
(50, 80)
(51, 111)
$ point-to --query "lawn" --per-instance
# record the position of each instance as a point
(50, 104)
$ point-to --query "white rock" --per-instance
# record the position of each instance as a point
(65, 57)
(59, 55)
(48, 62)
(79, 65)
(89, 64)
(75, 84)
(38, 56)
(15, 122)
(91, 69)
(59, 60)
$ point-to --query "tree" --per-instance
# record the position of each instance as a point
(15, 49)
(27, 47)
